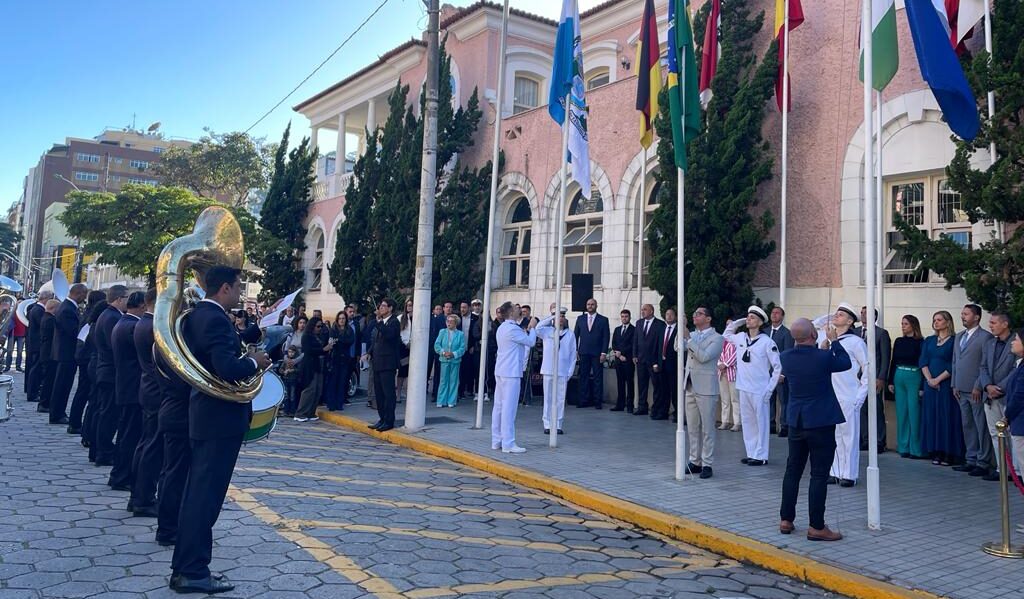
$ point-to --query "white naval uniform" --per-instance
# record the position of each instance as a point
(755, 381)
(566, 363)
(508, 374)
(851, 387)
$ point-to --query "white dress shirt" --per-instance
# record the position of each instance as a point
(566, 349)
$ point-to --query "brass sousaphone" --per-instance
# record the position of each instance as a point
(215, 240)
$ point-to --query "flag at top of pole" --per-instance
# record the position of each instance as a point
(683, 96)
(796, 18)
(648, 71)
(567, 79)
(940, 67)
(710, 52)
(885, 52)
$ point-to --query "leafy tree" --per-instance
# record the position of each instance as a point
(130, 229)
(728, 162)
(376, 244)
(992, 274)
(279, 241)
(223, 166)
(9, 238)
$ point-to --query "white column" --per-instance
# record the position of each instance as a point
(371, 115)
(339, 154)
(314, 137)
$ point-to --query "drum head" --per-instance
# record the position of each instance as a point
(271, 395)
(6, 379)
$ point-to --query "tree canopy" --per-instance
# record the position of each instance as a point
(222, 166)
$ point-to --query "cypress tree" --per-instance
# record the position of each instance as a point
(728, 162)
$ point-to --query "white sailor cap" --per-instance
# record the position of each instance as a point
(758, 312)
(848, 309)
(563, 310)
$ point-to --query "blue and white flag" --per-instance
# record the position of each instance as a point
(566, 78)
(940, 67)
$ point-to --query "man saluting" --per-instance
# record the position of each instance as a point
(216, 429)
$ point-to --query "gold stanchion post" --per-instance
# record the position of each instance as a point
(1004, 548)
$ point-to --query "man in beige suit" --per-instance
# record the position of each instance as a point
(703, 348)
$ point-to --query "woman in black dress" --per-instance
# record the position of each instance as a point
(311, 370)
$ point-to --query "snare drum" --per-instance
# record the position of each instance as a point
(6, 391)
(264, 408)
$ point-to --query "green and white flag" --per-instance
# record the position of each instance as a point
(885, 55)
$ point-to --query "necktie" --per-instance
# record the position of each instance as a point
(664, 345)
(963, 341)
(590, 321)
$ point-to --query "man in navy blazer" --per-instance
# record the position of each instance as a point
(65, 342)
(106, 420)
(216, 430)
(812, 415)
(592, 333)
(150, 450)
(34, 313)
(126, 393)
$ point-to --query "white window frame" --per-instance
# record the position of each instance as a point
(519, 259)
(139, 164)
(597, 74)
(519, 107)
(315, 272)
(86, 157)
(87, 177)
(158, 150)
(586, 232)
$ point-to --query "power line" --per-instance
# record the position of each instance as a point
(319, 66)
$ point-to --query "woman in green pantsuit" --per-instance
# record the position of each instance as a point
(905, 382)
(450, 346)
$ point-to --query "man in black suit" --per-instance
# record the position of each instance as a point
(149, 452)
(126, 393)
(778, 333)
(667, 371)
(647, 356)
(592, 333)
(469, 368)
(44, 373)
(622, 346)
(216, 430)
(65, 341)
(883, 355)
(34, 313)
(78, 417)
(172, 426)
(385, 353)
(106, 375)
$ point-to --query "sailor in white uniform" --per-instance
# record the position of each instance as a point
(566, 362)
(757, 372)
(508, 374)
(851, 388)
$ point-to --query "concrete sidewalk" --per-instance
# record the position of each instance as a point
(934, 520)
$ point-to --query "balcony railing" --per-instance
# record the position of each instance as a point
(330, 187)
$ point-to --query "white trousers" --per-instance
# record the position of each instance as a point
(730, 401)
(847, 461)
(549, 394)
(503, 414)
(1018, 455)
(755, 419)
(700, 427)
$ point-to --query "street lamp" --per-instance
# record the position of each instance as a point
(66, 180)
(78, 240)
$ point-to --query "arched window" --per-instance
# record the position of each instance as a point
(598, 77)
(315, 251)
(928, 203)
(584, 233)
(515, 245)
(526, 93)
(648, 215)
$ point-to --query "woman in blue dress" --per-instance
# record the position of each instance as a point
(450, 346)
(942, 435)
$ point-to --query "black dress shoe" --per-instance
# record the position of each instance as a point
(978, 471)
(653, 417)
(166, 542)
(757, 462)
(61, 420)
(102, 463)
(904, 455)
(547, 431)
(74, 431)
(963, 468)
(706, 472)
(617, 409)
(745, 461)
(832, 481)
(180, 584)
(845, 482)
(146, 511)
(384, 428)
(120, 487)
(42, 409)
(991, 476)
(561, 432)
(375, 424)
(692, 468)
(784, 433)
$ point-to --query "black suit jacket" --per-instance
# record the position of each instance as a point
(215, 343)
(46, 331)
(647, 347)
(669, 357)
(387, 342)
(35, 316)
(622, 341)
(592, 342)
(65, 340)
(105, 372)
(174, 400)
(126, 361)
(150, 391)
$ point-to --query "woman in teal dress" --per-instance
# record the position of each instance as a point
(942, 435)
(450, 346)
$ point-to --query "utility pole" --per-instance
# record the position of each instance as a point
(416, 399)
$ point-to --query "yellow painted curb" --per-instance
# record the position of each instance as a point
(682, 529)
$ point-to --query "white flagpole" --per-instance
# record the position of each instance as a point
(874, 517)
(559, 265)
(880, 199)
(485, 324)
(785, 153)
(680, 317)
(642, 213)
(991, 100)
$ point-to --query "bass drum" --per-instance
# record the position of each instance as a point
(264, 408)
(6, 391)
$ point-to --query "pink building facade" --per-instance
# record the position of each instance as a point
(826, 159)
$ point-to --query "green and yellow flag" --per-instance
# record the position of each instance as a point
(683, 92)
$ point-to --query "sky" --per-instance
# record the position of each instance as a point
(72, 68)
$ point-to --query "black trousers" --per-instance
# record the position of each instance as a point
(45, 383)
(468, 372)
(879, 419)
(36, 378)
(646, 377)
(129, 429)
(818, 444)
(149, 458)
(624, 382)
(434, 369)
(780, 398)
(177, 457)
(210, 468)
(384, 395)
(591, 382)
(81, 399)
(31, 359)
(106, 422)
(665, 395)
(63, 380)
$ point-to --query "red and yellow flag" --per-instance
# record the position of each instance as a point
(796, 18)
(648, 70)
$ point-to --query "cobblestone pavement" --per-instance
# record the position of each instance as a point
(319, 512)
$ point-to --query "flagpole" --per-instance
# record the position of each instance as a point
(991, 100)
(485, 324)
(559, 265)
(874, 516)
(680, 317)
(785, 152)
(642, 212)
(880, 200)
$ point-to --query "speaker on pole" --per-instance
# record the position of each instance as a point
(582, 290)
